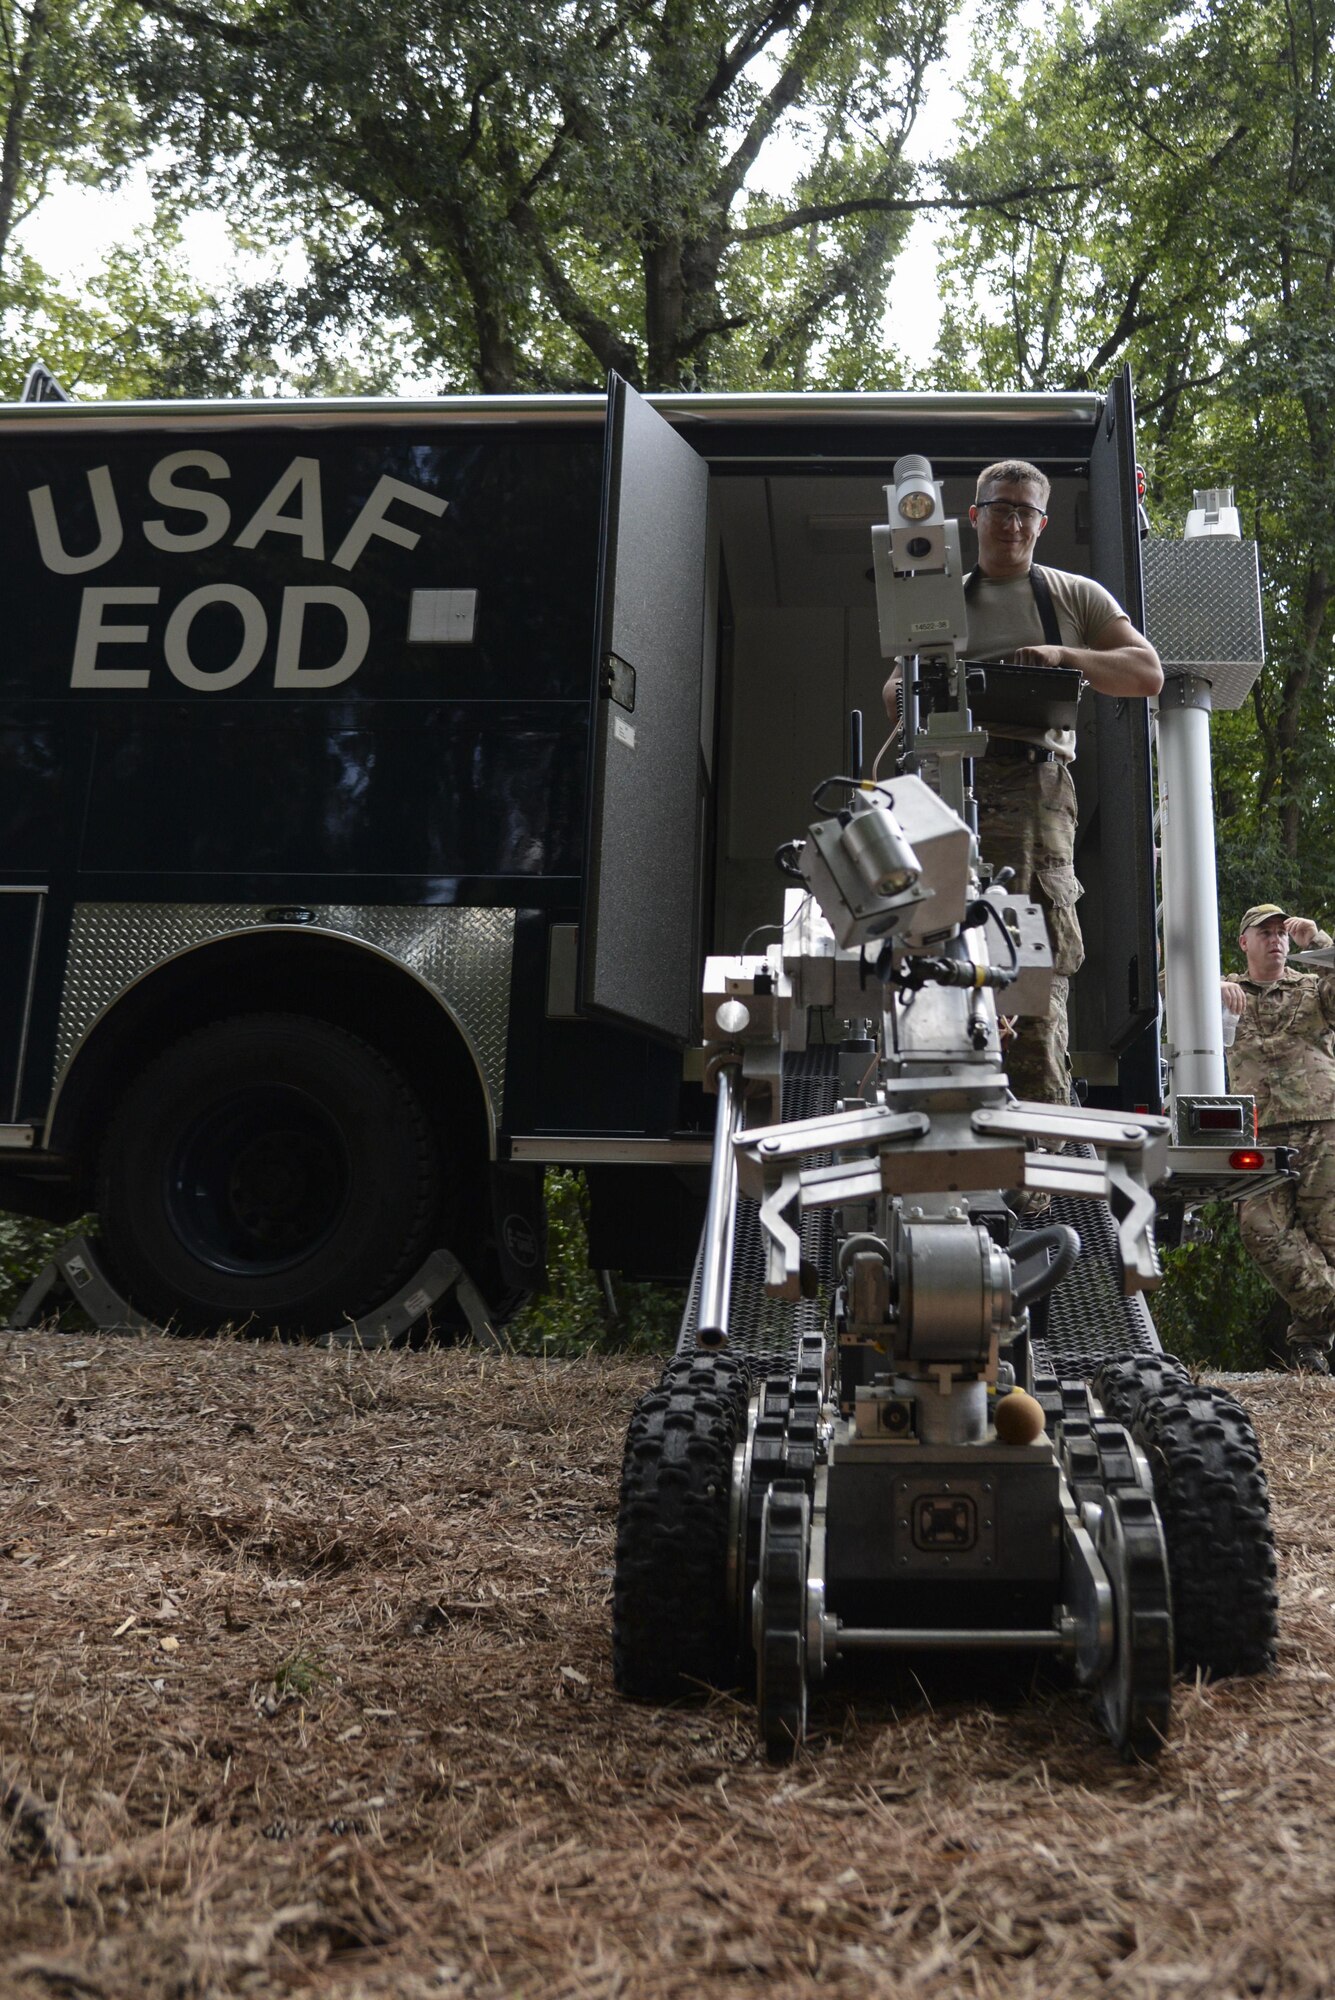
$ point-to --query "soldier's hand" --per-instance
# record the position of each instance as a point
(1232, 996)
(1040, 656)
(1301, 930)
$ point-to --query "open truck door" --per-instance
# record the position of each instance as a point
(638, 925)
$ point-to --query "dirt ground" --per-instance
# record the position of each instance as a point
(305, 1687)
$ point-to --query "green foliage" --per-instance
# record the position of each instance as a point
(63, 108)
(1194, 149)
(1191, 236)
(1214, 1307)
(25, 1247)
(572, 1317)
(533, 195)
(300, 1676)
(64, 115)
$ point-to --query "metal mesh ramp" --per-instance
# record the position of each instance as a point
(1088, 1320)
(767, 1333)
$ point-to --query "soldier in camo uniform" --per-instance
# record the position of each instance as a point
(1284, 1057)
(1039, 617)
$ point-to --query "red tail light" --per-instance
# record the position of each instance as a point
(1246, 1159)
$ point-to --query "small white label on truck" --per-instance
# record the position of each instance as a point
(442, 617)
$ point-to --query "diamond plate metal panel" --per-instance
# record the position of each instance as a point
(463, 955)
(1203, 611)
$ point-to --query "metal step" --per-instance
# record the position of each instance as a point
(1090, 1319)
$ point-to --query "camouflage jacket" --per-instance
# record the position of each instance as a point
(1284, 1054)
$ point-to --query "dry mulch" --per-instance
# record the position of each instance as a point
(305, 1688)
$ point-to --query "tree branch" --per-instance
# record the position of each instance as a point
(200, 23)
(703, 333)
(783, 93)
(16, 116)
(598, 335)
(749, 44)
(836, 211)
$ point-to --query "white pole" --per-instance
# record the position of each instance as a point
(1190, 913)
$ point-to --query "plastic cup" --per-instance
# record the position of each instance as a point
(1230, 1026)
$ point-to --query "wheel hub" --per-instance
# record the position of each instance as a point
(260, 1181)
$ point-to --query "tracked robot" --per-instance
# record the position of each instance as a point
(897, 1468)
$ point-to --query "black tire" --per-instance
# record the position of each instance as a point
(720, 1375)
(674, 1622)
(1215, 1507)
(1120, 1385)
(271, 1171)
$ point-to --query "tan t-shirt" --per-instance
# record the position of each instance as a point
(1003, 616)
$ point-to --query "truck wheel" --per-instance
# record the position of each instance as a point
(1215, 1507)
(674, 1622)
(273, 1170)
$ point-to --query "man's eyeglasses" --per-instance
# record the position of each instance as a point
(1012, 510)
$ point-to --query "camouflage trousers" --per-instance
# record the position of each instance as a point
(1026, 821)
(1290, 1232)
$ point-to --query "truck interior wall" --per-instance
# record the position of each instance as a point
(1091, 1059)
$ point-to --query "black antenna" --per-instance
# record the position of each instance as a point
(855, 743)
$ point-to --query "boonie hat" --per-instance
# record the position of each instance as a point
(1258, 914)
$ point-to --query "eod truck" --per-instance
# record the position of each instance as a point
(376, 775)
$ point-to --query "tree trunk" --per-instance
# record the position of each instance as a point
(497, 356)
(20, 96)
(1290, 732)
(664, 313)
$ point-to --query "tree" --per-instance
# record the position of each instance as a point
(60, 115)
(59, 110)
(540, 192)
(1195, 237)
(66, 115)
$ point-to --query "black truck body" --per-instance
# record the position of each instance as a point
(447, 738)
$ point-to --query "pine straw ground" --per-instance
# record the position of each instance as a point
(305, 1688)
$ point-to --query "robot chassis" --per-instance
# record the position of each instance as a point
(913, 1481)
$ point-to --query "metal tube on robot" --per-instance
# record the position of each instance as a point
(962, 1639)
(711, 1324)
